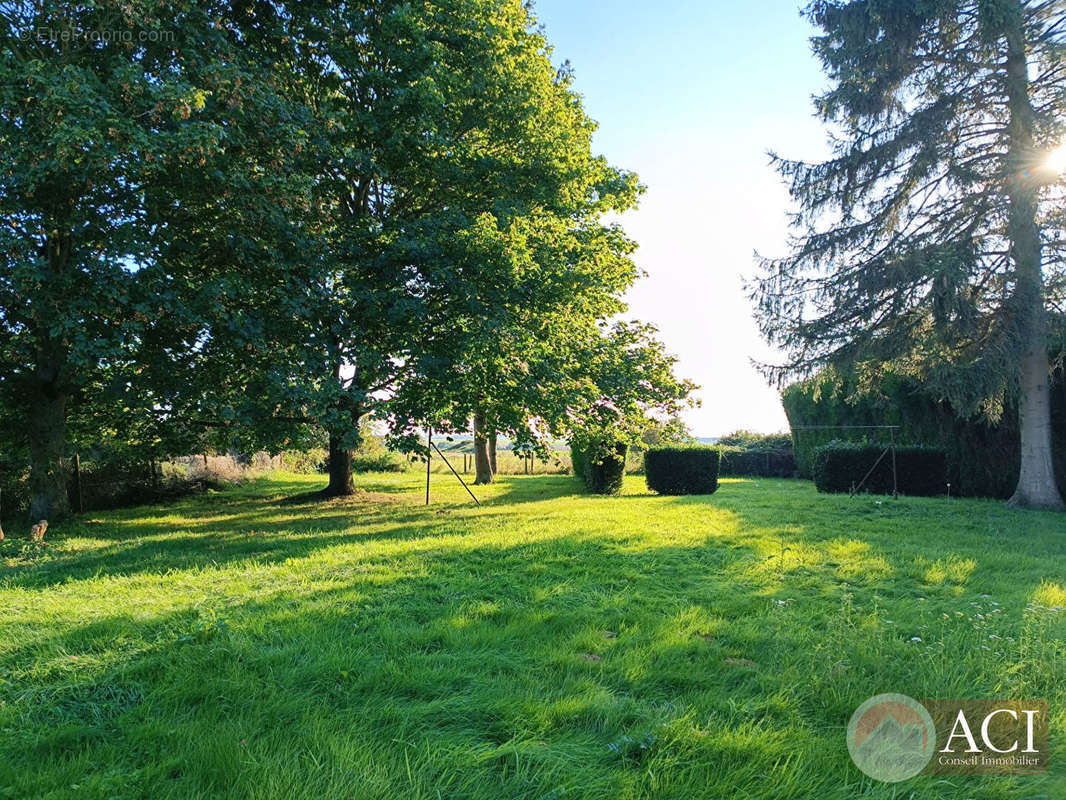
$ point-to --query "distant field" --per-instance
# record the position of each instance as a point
(260, 644)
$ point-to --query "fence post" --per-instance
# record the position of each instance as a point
(429, 458)
(79, 502)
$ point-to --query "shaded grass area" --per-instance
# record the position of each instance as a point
(260, 643)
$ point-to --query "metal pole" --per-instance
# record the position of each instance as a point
(429, 458)
(895, 485)
(77, 484)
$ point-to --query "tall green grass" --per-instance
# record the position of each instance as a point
(260, 643)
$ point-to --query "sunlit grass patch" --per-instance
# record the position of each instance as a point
(263, 644)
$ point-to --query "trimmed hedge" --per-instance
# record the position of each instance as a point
(983, 457)
(760, 463)
(603, 475)
(691, 469)
(920, 471)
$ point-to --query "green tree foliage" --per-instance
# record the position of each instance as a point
(513, 302)
(453, 149)
(627, 384)
(272, 221)
(508, 351)
(767, 455)
(672, 430)
(750, 440)
(129, 132)
(932, 236)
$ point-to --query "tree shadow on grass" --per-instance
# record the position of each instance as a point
(433, 654)
(587, 663)
(242, 525)
(245, 525)
(532, 489)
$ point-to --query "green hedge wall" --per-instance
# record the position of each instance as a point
(602, 475)
(689, 469)
(983, 458)
(920, 471)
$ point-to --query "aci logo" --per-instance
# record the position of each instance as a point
(891, 737)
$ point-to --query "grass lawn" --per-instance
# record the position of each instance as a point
(258, 644)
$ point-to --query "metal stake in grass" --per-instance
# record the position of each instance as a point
(429, 458)
(456, 474)
(430, 447)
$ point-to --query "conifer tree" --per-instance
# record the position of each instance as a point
(933, 234)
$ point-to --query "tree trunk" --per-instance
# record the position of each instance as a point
(48, 434)
(341, 483)
(483, 472)
(1036, 481)
(492, 454)
(47, 411)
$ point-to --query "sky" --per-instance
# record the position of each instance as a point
(690, 95)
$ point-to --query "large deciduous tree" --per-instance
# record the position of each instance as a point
(125, 129)
(443, 120)
(933, 235)
(504, 342)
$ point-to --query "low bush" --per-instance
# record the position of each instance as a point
(749, 440)
(108, 484)
(683, 469)
(305, 462)
(841, 466)
(601, 467)
(382, 461)
(14, 490)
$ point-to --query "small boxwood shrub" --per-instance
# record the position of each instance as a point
(602, 474)
(685, 469)
(920, 471)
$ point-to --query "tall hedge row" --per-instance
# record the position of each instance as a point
(846, 466)
(683, 469)
(602, 468)
(983, 458)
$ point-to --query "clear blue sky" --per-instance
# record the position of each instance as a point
(690, 94)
